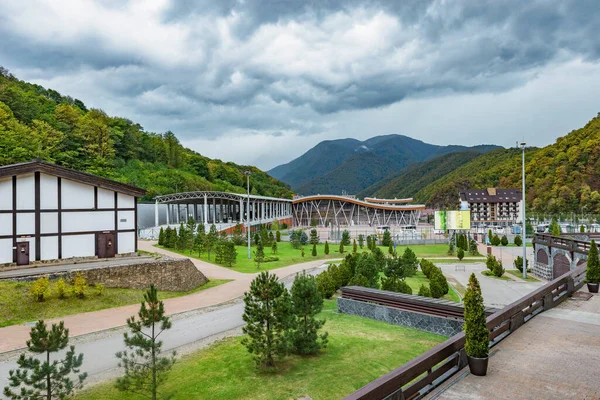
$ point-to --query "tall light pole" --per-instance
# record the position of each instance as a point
(523, 214)
(248, 173)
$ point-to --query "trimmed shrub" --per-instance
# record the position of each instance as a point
(504, 240)
(495, 240)
(79, 286)
(498, 269)
(424, 291)
(346, 238)
(477, 336)
(354, 247)
(341, 247)
(592, 273)
(426, 267)
(314, 250)
(39, 288)
(518, 241)
(326, 251)
(519, 263)
(460, 254)
(61, 288)
(278, 236)
(438, 283)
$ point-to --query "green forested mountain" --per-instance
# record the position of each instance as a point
(41, 123)
(562, 177)
(409, 181)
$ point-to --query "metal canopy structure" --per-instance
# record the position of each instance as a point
(347, 210)
(212, 207)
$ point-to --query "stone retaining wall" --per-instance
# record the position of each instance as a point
(428, 323)
(178, 275)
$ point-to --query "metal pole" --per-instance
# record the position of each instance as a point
(524, 223)
(248, 213)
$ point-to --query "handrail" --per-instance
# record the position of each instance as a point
(444, 360)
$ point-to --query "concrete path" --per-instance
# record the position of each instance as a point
(13, 337)
(554, 356)
(496, 293)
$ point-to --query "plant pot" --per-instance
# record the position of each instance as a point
(478, 366)
(593, 287)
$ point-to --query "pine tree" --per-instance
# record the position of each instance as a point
(342, 247)
(391, 248)
(424, 291)
(361, 241)
(410, 261)
(450, 248)
(182, 238)
(326, 250)
(346, 237)
(190, 229)
(259, 253)
(314, 236)
(161, 237)
(238, 236)
(555, 228)
(314, 250)
(473, 248)
(369, 242)
(200, 239)
(274, 248)
(229, 254)
(211, 239)
(268, 316)
(36, 379)
(387, 238)
(271, 237)
(593, 264)
(278, 235)
(307, 302)
(145, 369)
(477, 336)
(354, 246)
(460, 254)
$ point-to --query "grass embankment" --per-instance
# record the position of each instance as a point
(489, 274)
(419, 279)
(288, 255)
(359, 351)
(519, 274)
(17, 306)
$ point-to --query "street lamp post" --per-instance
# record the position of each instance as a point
(523, 214)
(247, 173)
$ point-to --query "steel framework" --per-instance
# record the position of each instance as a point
(341, 210)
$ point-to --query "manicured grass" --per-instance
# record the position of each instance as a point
(455, 260)
(490, 275)
(288, 255)
(359, 351)
(519, 274)
(17, 306)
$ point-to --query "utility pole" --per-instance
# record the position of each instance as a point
(248, 173)
(523, 214)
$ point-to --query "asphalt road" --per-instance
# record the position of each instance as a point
(99, 348)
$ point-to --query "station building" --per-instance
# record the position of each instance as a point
(48, 212)
(492, 206)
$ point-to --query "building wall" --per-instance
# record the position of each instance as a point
(60, 218)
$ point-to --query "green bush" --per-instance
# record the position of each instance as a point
(325, 284)
(477, 336)
(359, 280)
(593, 264)
(79, 286)
(438, 283)
(426, 267)
(424, 291)
(518, 241)
(314, 250)
(39, 289)
(495, 240)
(326, 250)
(99, 288)
(61, 288)
(519, 263)
(504, 240)
(341, 247)
(267, 259)
(336, 276)
(394, 284)
(345, 273)
(460, 254)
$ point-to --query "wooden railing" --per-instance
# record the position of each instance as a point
(422, 374)
(565, 242)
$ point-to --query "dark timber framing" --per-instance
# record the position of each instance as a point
(39, 167)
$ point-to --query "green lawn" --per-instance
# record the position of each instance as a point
(519, 274)
(288, 255)
(490, 275)
(17, 306)
(359, 351)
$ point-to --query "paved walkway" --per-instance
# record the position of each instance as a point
(13, 337)
(556, 355)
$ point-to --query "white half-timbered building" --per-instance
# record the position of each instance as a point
(48, 212)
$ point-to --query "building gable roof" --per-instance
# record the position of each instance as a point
(67, 173)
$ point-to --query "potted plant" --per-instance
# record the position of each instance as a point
(477, 336)
(593, 269)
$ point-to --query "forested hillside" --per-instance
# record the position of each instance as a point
(410, 180)
(41, 123)
(562, 177)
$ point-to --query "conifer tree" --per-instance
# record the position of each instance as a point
(354, 247)
(460, 254)
(593, 264)
(268, 316)
(259, 253)
(271, 237)
(361, 241)
(477, 335)
(307, 302)
(37, 379)
(211, 239)
(410, 261)
(387, 238)
(145, 369)
(314, 236)
(314, 250)
(342, 247)
(274, 248)
(190, 229)
(182, 238)
(369, 242)
(391, 248)
(161, 237)
(278, 235)
(346, 237)
(238, 237)
(326, 250)
(200, 239)
(229, 254)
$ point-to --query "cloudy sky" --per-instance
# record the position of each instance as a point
(261, 81)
